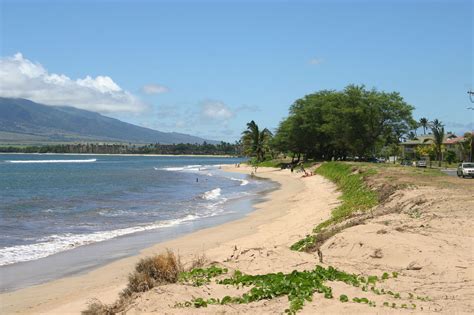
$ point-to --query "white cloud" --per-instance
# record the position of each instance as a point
(22, 78)
(154, 89)
(316, 61)
(216, 110)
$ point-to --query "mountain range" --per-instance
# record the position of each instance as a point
(24, 121)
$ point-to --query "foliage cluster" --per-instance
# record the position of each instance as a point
(298, 286)
(338, 124)
(201, 276)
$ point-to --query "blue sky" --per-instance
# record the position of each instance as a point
(208, 67)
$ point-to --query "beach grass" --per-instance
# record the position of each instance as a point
(355, 196)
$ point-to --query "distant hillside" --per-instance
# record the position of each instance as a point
(24, 121)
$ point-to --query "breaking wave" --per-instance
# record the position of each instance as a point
(54, 244)
(212, 194)
(243, 182)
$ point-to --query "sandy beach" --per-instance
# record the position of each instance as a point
(432, 252)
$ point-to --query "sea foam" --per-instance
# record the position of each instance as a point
(212, 194)
(52, 161)
(56, 243)
(243, 182)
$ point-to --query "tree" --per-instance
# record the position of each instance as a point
(255, 141)
(438, 134)
(424, 124)
(450, 157)
(466, 147)
(336, 124)
(436, 123)
(428, 150)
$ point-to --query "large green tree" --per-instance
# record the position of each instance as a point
(352, 122)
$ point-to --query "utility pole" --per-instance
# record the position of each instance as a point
(471, 98)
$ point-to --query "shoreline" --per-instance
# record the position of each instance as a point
(71, 294)
(85, 258)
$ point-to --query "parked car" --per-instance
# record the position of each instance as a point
(421, 163)
(375, 160)
(465, 170)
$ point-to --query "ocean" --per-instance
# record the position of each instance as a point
(55, 208)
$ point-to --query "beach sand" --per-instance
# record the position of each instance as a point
(427, 237)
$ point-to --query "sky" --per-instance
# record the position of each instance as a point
(206, 68)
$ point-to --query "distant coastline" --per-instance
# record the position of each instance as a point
(191, 149)
(127, 154)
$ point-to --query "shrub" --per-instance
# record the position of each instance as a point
(149, 272)
(163, 268)
(96, 307)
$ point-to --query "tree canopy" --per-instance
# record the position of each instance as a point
(337, 124)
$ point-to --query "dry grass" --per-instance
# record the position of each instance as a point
(149, 272)
(153, 271)
(199, 261)
(96, 307)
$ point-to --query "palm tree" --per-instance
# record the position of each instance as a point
(424, 124)
(438, 133)
(255, 141)
(436, 123)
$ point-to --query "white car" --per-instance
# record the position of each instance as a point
(421, 163)
(466, 170)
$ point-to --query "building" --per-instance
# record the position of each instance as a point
(409, 146)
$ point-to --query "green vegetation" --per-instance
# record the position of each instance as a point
(222, 148)
(255, 141)
(338, 124)
(424, 124)
(267, 163)
(335, 125)
(298, 286)
(356, 196)
(438, 133)
(201, 276)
